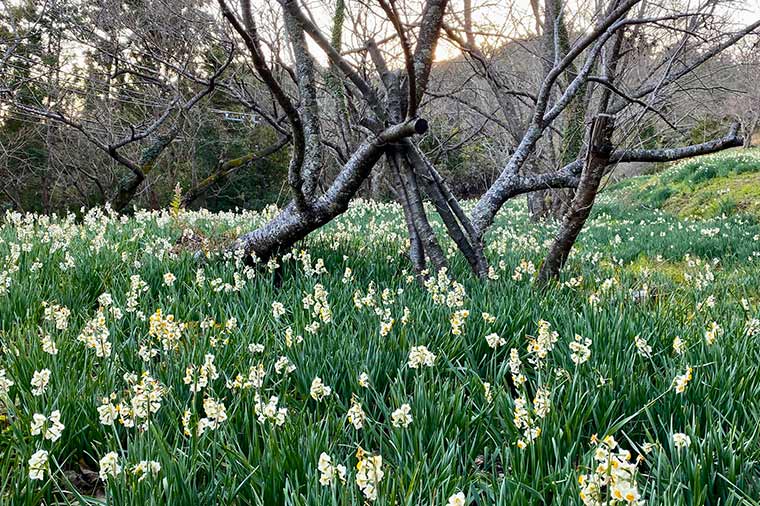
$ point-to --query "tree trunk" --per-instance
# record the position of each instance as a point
(131, 183)
(538, 207)
(457, 224)
(414, 202)
(293, 223)
(749, 131)
(416, 249)
(597, 159)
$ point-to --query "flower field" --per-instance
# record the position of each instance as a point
(134, 371)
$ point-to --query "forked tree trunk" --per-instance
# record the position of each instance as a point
(131, 183)
(454, 218)
(414, 204)
(294, 222)
(597, 159)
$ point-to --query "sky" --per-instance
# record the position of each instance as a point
(513, 18)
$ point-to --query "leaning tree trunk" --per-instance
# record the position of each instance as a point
(455, 220)
(295, 222)
(597, 159)
(415, 207)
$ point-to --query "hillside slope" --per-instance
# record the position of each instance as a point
(721, 184)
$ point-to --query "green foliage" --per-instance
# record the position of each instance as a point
(663, 272)
(658, 197)
(724, 183)
(252, 187)
(707, 128)
(727, 206)
(176, 203)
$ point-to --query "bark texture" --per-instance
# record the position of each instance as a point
(293, 223)
(597, 159)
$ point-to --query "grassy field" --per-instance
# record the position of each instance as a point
(726, 183)
(133, 374)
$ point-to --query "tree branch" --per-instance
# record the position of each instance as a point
(249, 35)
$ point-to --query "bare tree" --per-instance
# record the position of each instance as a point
(135, 104)
(309, 208)
(562, 99)
(571, 70)
(744, 105)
